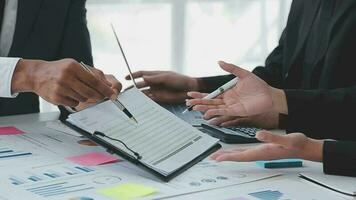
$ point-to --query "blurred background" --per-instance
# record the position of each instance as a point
(186, 36)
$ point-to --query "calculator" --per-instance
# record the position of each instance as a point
(238, 134)
(227, 135)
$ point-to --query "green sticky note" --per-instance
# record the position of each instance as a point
(128, 191)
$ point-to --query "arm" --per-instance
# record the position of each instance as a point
(7, 68)
(339, 158)
(322, 113)
(272, 73)
(76, 40)
(63, 82)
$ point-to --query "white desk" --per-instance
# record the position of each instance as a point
(289, 174)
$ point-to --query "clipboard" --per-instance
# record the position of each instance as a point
(115, 150)
(177, 138)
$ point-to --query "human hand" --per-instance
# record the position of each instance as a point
(63, 82)
(269, 120)
(294, 145)
(109, 80)
(250, 96)
(165, 86)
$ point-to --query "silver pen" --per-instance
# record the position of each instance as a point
(117, 103)
(217, 92)
(123, 54)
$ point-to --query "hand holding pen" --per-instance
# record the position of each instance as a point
(250, 96)
(114, 99)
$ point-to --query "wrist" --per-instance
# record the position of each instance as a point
(196, 84)
(313, 150)
(24, 76)
(279, 100)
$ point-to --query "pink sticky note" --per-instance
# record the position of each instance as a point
(10, 130)
(92, 159)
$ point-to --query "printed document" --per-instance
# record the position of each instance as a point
(164, 141)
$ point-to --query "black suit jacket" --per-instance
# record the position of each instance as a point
(325, 109)
(47, 30)
(339, 158)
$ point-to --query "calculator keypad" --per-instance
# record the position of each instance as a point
(250, 131)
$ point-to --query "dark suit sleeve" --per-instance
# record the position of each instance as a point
(272, 73)
(322, 113)
(76, 40)
(339, 158)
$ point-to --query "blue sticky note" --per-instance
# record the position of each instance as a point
(282, 163)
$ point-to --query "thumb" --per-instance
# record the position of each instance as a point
(233, 69)
(268, 137)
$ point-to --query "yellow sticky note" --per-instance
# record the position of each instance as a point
(128, 191)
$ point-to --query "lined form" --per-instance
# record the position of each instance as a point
(164, 141)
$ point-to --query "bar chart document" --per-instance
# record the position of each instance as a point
(166, 144)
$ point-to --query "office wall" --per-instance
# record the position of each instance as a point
(186, 36)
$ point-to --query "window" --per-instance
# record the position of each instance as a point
(187, 36)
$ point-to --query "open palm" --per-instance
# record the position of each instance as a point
(294, 145)
(250, 96)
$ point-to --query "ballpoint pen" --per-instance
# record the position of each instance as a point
(217, 92)
(116, 101)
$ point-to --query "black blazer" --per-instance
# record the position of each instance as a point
(339, 158)
(47, 30)
(325, 108)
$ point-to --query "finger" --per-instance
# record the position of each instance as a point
(268, 137)
(205, 108)
(142, 84)
(241, 121)
(216, 154)
(196, 95)
(237, 71)
(139, 74)
(82, 106)
(228, 157)
(158, 79)
(252, 154)
(66, 101)
(101, 76)
(218, 112)
(193, 102)
(74, 95)
(220, 152)
(85, 91)
(115, 84)
(94, 83)
(64, 91)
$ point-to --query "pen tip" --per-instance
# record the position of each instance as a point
(133, 119)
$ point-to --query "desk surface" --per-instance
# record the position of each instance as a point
(289, 174)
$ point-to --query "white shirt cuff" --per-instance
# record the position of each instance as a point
(7, 68)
